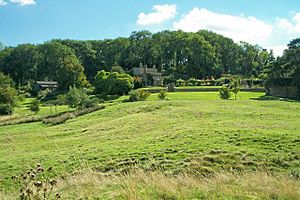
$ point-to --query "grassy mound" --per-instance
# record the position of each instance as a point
(191, 133)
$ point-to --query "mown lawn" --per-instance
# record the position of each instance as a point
(190, 132)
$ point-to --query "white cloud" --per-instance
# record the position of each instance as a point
(293, 26)
(2, 3)
(24, 2)
(162, 13)
(277, 50)
(239, 28)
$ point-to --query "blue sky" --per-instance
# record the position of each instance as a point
(271, 24)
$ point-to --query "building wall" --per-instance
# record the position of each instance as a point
(142, 72)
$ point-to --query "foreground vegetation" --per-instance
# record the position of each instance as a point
(139, 184)
(189, 133)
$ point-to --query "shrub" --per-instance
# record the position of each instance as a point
(120, 84)
(138, 95)
(225, 93)
(137, 82)
(112, 83)
(210, 82)
(89, 103)
(162, 94)
(143, 95)
(35, 106)
(133, 96)
(235, 86)
(5, 109)
(180, 82)
(76, 97)
(44, 95)
(60, 100)
(192, 82)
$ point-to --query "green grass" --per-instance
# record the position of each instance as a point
(190, 132)
(189, 87)
(200, 96)
(22, 109)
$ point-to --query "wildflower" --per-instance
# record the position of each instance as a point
(38, 184)
(57, 196)
(53, 182)
(40, 169)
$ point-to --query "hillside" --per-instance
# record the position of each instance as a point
(193, 133)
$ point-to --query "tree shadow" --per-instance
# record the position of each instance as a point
(273, 98)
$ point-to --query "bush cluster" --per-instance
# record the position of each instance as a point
(138, 95)
(78, 98)
(35, 106)
(162, 94)
(113, 83)
(225, 93)
(224, 80)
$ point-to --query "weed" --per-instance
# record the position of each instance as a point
(34, 184)
(162, 95)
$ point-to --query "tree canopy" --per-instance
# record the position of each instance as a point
(285, 70)
(7, 94)
(176, 54)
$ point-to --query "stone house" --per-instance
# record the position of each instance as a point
(150, 76)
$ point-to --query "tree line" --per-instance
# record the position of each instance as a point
(285, 70)
(176, 54)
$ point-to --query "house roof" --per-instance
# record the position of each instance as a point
(47, 84)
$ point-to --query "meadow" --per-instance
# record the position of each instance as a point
(190, 146)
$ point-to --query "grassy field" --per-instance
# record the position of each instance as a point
(190, 133)
(22, 111)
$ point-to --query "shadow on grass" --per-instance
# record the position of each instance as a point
(272, 98)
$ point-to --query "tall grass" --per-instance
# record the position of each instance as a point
(156, 185)
(63, 117)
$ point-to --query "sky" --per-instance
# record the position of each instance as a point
(271, 24)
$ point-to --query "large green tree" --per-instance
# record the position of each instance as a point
(85, 53)
(113, 83)
(22, 63)
(285, 70)
(7, 94)
(61, 64)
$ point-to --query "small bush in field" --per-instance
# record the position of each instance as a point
(35, 106)
(162, 95)
(138, 95)
(235, 87)
(5, 109)
(143, 95)
(77, 98)
(225, 93)
(133, 96)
